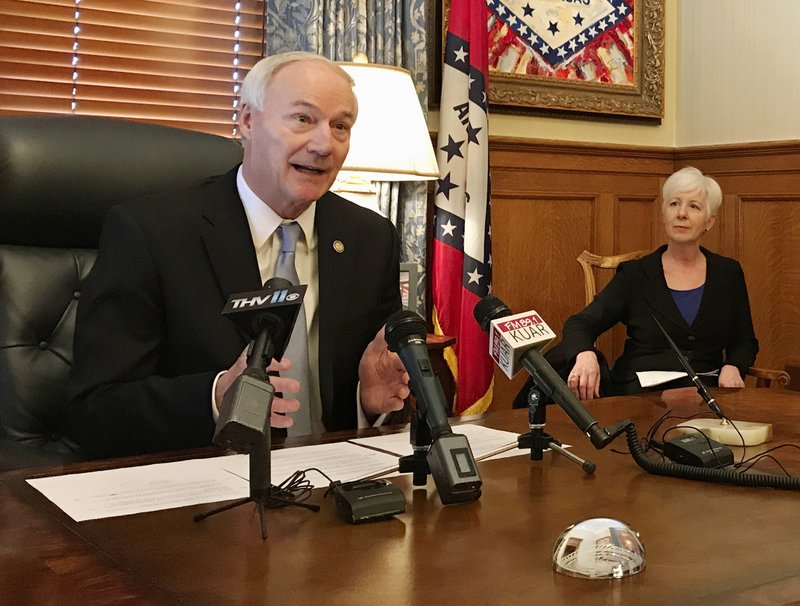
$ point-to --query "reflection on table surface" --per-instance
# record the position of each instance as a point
(706, 543)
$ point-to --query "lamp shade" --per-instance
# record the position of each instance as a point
(390, 139)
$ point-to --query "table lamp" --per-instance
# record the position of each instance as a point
(390, 139)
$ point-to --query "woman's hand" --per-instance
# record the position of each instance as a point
(584, 378)
(729, 377)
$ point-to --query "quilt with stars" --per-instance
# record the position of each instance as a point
(590, 40)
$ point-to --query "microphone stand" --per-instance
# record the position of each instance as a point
(417, 463)
(262, 493)
(537, 440)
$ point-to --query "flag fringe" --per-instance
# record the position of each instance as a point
(481, 405)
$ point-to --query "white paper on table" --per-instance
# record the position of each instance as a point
(130, 490)
(339, 461)
(651, 378)
(481, 440)
(118, 492)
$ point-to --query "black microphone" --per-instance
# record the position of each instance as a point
(274, 308)
(269, 316)
(699, 385)
(450, 457)
(406, 335)
(489, 312)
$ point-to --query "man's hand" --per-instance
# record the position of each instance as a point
(729, 377)
(284, 385)
(383, 378)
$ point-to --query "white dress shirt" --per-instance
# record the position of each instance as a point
(264, 222)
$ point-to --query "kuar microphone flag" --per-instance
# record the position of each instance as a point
(511, 336)
(462, 262)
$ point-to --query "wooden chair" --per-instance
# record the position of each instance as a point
(589, 261)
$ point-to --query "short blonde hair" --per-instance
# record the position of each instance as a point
(255, 83)
(689, 179)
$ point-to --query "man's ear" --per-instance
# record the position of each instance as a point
(245, 120)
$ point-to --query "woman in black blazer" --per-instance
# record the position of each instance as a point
(700, 298)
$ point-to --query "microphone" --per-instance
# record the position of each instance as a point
(406, 336)
(511, 335)
(701, 388)
(450, 457)
(496, 318)
(268, 316)
(738, 433)
(274, 308)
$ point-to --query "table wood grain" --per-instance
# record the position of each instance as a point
(706, 543)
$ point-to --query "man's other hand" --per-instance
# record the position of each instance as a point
(383, 378)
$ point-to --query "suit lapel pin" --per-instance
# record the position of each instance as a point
(338, 246)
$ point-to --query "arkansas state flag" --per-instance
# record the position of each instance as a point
(462, 271)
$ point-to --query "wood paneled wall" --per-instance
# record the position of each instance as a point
(551, 200)
(761, 228)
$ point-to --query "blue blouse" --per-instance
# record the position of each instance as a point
(688, 302)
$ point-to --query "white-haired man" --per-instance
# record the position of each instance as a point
(154, 357)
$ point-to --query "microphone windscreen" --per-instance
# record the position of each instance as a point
(401, 326)
(489, 308)
(276, 284)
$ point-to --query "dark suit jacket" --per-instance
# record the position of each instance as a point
(149, 335)
(722, 333)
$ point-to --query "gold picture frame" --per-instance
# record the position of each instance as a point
(642, 97)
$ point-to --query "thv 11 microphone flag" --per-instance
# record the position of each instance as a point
(462, 267)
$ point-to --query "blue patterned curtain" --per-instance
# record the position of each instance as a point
(390, 32)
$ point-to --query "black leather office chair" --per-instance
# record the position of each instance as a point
(58, 177)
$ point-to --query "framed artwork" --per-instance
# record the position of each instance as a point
(586, 56)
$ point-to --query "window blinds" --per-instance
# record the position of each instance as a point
(175, 62)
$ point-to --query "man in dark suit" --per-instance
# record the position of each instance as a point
(151, 348)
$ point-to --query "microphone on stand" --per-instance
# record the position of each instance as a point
(515, 342)
(725, 431)
(511, 335)
(699, 385)
(268, 316)
(449, 457)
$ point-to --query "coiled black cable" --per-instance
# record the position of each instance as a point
(688, 472)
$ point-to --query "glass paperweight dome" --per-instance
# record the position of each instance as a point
(599, 548)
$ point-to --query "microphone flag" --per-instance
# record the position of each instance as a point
(461, 268)
(512, 336)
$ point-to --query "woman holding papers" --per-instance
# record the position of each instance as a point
(699, 297)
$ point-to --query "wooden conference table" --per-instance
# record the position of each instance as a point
(706, 543)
